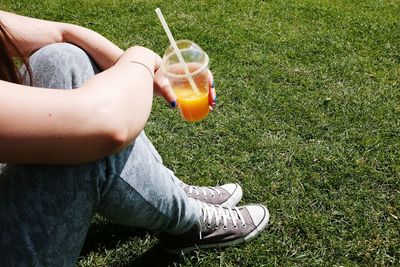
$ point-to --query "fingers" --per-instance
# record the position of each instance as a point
(164, 89)
(168, 94)
(212, 96)
(158, 62)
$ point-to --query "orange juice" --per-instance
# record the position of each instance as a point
(193, 106)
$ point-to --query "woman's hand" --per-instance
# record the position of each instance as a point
(163, 88)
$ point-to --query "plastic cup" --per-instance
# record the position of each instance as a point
(193, 105)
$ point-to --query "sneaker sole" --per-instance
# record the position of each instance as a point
(250, 236)
(235, 197)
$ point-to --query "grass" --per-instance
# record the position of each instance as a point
(308, 122)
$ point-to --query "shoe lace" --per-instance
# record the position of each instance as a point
(203, 190)
(220, 213)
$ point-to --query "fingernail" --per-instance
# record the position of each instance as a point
(215, 99)
(172, 104)
(212, 85)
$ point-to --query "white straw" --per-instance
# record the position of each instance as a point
(175, 47)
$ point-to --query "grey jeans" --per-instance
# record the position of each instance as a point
(45, 210)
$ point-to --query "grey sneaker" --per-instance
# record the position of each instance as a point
(227, 194)
(219, 226)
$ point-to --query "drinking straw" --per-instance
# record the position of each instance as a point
(177, 51)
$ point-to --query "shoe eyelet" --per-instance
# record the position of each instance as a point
(235, 227)
(197, 196)
(225, 227)
(204, 196)
(213, 196)
(208, 226)
(244, 225)
(216, 227)
(219, 194)
(189, 194)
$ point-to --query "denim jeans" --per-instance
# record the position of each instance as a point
(45, 210)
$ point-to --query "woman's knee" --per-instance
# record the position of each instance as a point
(62, 66)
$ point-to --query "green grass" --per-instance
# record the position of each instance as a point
(308, 122)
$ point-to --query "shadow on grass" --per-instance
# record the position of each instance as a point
(155, 257)
(106, 235)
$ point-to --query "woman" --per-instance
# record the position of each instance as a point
(71, 153)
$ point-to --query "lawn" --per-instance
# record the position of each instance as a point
(307, 121)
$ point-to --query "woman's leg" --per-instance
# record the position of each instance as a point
(140, 191)
(45, 210)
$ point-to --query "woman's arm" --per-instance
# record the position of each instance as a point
(40, 125)
(31, 34)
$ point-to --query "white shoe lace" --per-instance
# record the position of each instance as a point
(223, 213)
(196, 190)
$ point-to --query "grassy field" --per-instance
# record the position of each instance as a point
(307, 121)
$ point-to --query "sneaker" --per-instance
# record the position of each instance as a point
(228, 194)
(219, 226)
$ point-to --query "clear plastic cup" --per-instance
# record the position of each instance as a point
(193, 104)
